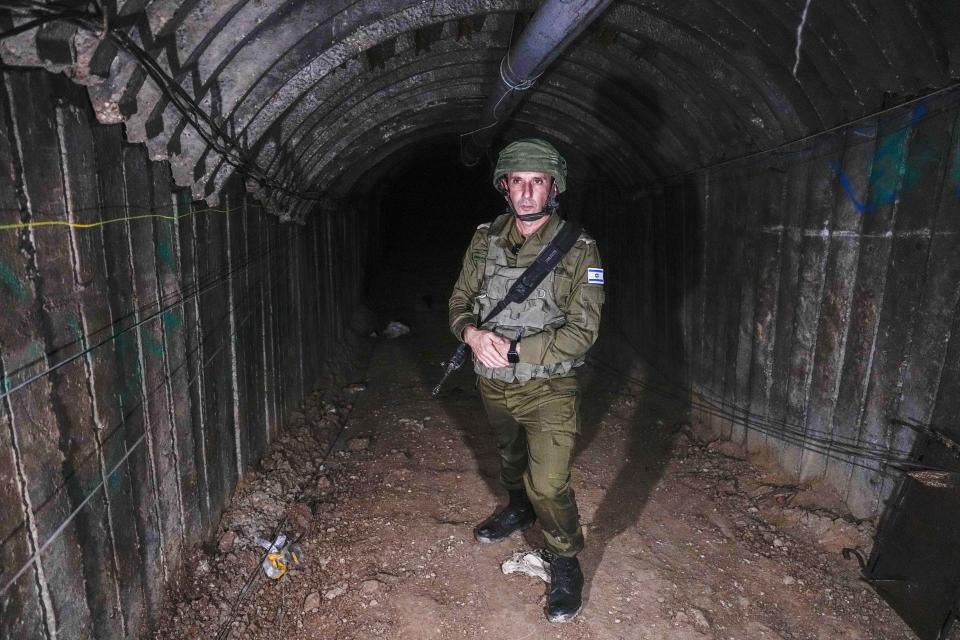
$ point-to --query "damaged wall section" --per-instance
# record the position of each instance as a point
(806, 296)
(150, 348)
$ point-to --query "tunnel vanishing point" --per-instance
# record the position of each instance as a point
(192, 197)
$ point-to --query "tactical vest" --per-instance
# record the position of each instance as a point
(538, 312)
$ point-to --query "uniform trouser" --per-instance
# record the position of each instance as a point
(536, 425)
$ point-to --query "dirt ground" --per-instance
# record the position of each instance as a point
(684, 540)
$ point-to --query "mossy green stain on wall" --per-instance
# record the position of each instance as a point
(150, 344)
(37, 352)
(165, 253)
(24, 364)
(172, 320)
(890, 174)
(73, 324)
(11, 282)
(127, 352)
(888, 166)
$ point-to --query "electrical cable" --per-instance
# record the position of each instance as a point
(5, 390)
(167, 378)
(784, 147)
(78, 465)
(523, 85)
(224, 629)
(36, 224)
(200, 280)
(205, 125)
(62, 527)
(779, 426)
(176, 297)
(827, 446)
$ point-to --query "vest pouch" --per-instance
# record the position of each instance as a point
(479, 302)
(538, 311)
(499, 283)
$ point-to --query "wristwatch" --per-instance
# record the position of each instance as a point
(512, 356)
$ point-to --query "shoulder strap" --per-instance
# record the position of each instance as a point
(549, 258)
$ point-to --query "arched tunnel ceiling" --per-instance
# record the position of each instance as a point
(326, 92)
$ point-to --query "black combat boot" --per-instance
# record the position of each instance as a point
(566, 583)
(518, 515)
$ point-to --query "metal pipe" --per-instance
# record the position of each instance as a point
(552, 28)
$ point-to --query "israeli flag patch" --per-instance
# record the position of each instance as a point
(594, 276)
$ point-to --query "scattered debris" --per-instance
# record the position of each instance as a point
(370, 586)
(700, 620)
(299, 517)
(531, 563)
(335, 592)
(323, 484)
(729, 449)
(358, 444)
(311, 602)
(227, 541)
(395, 329)
(281, 556)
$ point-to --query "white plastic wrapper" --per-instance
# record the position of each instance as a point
(395, 330)
(530, 563)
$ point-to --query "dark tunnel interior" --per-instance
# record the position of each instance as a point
(210, 210)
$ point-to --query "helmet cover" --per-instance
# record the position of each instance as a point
(531, 154)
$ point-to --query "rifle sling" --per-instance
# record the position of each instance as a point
(549, 258)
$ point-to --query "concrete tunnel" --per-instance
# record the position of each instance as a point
(208, 206)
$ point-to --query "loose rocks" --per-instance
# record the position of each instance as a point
(311, 602)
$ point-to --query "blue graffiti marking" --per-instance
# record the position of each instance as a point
(888, 165)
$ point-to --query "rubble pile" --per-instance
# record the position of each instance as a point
(294, 482)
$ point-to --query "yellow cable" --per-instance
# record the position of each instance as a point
(100, 223)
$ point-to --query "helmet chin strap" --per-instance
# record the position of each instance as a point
(548, 208)
(531, 217)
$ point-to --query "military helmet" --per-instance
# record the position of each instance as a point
(531, 154)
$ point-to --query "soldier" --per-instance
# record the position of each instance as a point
(526, 357)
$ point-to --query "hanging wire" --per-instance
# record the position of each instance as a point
(205, 125)
(216, 330)
(224, 631)
(36, 224)
(277, 277)
(847, 449)
(6, 390)
(522, 85)
(787, 147)
(174, 299)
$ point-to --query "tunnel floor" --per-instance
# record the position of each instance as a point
(683, 540)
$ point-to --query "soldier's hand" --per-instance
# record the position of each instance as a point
(490, 349)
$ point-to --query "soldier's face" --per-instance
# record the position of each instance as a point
(528, 190)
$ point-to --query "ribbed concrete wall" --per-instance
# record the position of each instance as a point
(146, 362)
(808, 296)
(808, 292)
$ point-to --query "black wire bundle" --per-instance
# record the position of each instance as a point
(211, 333)
(845, 449)
(205, 125)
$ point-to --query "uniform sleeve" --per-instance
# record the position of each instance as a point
(582, 308)
(468, 284)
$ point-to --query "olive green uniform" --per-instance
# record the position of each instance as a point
(533, 404)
